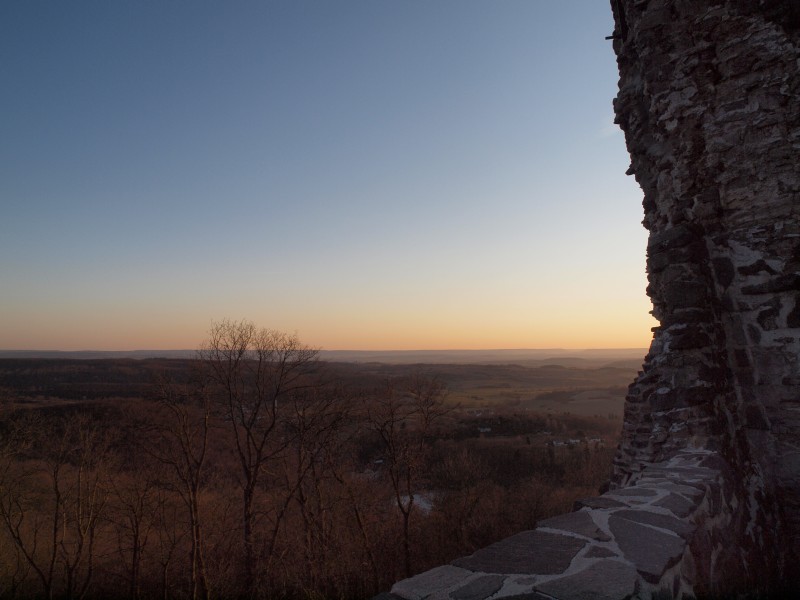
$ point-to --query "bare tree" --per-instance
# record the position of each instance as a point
(168, 537)
(51, 505)
(317, 423)
(181, 427)
(15, 441)
(254, 372)
(466, 483)
(403, 416)
(133, 507)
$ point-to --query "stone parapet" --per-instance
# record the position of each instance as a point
(662, 536)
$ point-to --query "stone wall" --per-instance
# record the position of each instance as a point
(648, 540)
(705, 491)
(709, 101)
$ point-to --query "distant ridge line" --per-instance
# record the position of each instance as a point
(97, 354)
(361, 356)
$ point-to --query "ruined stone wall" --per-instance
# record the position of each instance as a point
(709, 101)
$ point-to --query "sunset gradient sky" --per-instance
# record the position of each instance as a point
(372, 174)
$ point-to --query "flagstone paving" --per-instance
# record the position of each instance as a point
(627, 543)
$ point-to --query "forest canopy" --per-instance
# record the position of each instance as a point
(257, 470)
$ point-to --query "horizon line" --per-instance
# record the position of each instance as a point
(522, 349)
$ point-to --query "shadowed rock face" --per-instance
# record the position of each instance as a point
(709, 101)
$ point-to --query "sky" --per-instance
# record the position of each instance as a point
(368, 174)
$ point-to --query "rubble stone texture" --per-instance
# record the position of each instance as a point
(705, 493)
(709, 101)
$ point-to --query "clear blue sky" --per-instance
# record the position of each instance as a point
(370, 174)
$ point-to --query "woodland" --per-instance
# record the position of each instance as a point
(257, 470)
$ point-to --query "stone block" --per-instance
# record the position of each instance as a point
(698, 395)
(479, 588)
(756, 268)
(427, 583)
(599, 552)
(529, 552)
(723, 270)
(694, 493)
(576, 522)
(793, 318)
(650, 550)
(527, 596)
(685, 294)
(677, 505)
(691, 339)
(674, 237)
(755, 418)
(604, 580)
(677, 526)
(598, 502)
(635, 491)
(782, 283)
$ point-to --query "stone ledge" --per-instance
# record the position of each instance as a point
(629, 542)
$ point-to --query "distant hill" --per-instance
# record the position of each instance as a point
(527, 357)
(97, 354)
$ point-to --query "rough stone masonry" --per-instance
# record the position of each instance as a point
(705, 491)
(709, 100)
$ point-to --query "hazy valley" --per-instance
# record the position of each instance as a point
(368, 472)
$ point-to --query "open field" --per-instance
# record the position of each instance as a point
(550, 388)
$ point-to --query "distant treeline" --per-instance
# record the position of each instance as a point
(526, 357)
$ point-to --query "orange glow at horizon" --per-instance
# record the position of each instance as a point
(348, 332)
